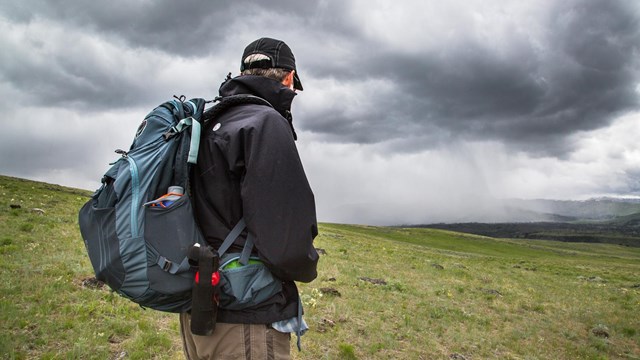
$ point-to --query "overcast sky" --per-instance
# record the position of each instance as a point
(413, 111)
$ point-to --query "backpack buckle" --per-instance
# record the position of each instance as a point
(165, 264)
(169, 134)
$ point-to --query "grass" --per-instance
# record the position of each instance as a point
(381, 293)
(449, 293)
(46, 309)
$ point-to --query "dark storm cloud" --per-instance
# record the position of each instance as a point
(184, 28)
(181, 27)
(71, 81)
(64, 67)
(533, 91)
(67, 71)
(575, 70)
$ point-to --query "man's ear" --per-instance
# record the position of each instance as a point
(288, 80)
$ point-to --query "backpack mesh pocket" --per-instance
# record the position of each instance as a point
(246, 286)
(174, 223)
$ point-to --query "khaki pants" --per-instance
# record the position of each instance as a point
(235, 341)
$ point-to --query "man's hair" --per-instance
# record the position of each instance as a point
(272, 73)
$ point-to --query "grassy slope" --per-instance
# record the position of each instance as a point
(45, 311)
(446, 293)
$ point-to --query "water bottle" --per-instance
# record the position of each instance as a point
(173, 193)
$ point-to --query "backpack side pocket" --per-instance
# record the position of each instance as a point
(169, 234)
(246, 286)
(97, 226)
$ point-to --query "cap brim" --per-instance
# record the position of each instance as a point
(297, 84)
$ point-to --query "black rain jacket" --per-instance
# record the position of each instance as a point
(248, 166)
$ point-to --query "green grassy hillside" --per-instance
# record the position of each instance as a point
(381, 293)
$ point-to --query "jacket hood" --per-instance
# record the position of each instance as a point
(278, 95)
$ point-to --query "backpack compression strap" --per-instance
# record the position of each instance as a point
(195, 136)
(233, 235)
(195, 107)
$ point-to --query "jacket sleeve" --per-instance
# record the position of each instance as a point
(278, 203)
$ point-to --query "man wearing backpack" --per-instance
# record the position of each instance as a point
(249, 168)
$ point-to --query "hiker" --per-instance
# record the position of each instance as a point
(249, 168)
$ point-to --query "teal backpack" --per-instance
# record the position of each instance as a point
(138, 238)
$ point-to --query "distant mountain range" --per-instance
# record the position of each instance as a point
(601, 220)
(605, 208)
(483, 209)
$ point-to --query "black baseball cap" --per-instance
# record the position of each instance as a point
(279, 54)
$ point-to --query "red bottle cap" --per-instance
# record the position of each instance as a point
(215, 278)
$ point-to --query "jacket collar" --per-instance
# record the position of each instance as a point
(278, 95)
